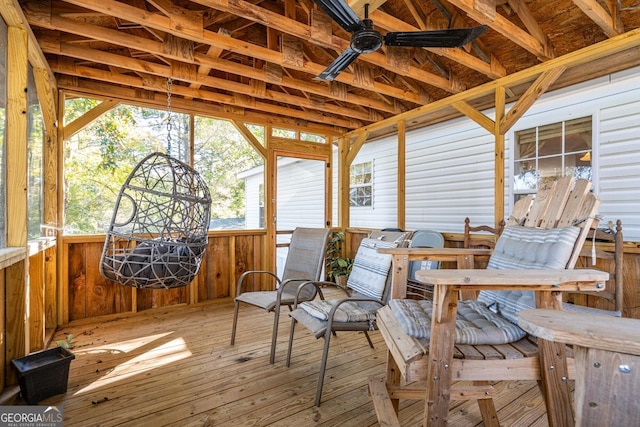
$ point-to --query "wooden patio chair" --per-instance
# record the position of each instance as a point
(547, 233)
(305, 261)
(367, 290)
(487, 235)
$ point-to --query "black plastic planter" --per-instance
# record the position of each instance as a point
(43, 374)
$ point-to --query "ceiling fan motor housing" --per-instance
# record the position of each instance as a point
(366, 40)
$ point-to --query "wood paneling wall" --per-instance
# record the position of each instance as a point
(90, 295)
(228, 256)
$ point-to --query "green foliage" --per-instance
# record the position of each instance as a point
(98, 159)
(337, 264)
(66, 343)
(221, 153)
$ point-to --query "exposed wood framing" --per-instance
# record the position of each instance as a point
(601, 16)
(87, 118)
(16, 275)
(486, 14)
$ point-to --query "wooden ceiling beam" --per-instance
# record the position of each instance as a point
(43, 19)
(160, 22)
(523, 12)
(493, 70)
(51, 45)
(145, 98)
(480, 11)
(157, 84)
(598, 14)
(303, 32)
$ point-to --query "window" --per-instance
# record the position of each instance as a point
(98, 159)
(35, 147)
(221, 153)
(361, 184)
(284, 133)
(545, 153)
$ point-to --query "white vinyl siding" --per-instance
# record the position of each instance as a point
(449, 176)
(300, 194)
(450, 166)
(619, 160)
(383, 213)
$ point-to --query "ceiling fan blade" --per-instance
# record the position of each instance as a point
(437, 38)
(340, 12)
(338, 65)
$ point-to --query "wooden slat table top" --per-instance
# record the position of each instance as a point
(586, 330)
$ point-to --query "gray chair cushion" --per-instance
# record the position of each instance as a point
(349, 311)
(527, 248)
(370, 268)
(475, 323)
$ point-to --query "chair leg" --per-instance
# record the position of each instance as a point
(323, 366)
(487, 409)
(235, 323)
(366, 334)
(293, 326)
(274, 335)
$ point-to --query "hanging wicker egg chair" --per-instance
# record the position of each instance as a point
(158, 232)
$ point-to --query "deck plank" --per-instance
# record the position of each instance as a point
(176, 368)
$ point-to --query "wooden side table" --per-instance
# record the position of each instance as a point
(607, 357)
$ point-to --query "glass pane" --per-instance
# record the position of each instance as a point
(525, 144)
(35, 147)
(230, 166)
(525, 176)
(578, 135)
(99, 158)
(550, 139)
(312, 137)
(550, 170)
(283, 133)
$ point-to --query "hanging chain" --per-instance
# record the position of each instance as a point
(169, 87)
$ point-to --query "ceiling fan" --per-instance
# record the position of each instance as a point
(367, 40)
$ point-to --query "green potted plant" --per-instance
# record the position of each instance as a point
(338, 266)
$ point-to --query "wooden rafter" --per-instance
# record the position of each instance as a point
(598, 14)
(493, 70)
(303, 31)
(163, 23)
(141, 97)
(483, 11)
(43, 19)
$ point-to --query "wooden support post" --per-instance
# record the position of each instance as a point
(16, 275)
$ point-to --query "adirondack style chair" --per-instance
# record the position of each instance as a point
(530, 266)
(367, 290)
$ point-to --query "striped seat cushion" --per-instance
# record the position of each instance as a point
(475, 323)
(527, 248)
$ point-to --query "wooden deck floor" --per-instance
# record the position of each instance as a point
(176, 368)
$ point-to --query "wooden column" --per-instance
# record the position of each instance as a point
(402, 175)
(498, 183)
(16, 275)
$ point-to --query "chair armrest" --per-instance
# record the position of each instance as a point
(338, 303)
(255, 272)
(318, 285)
(541, 280)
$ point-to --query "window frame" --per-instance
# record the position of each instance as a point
(546, 118)
(370, 184)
